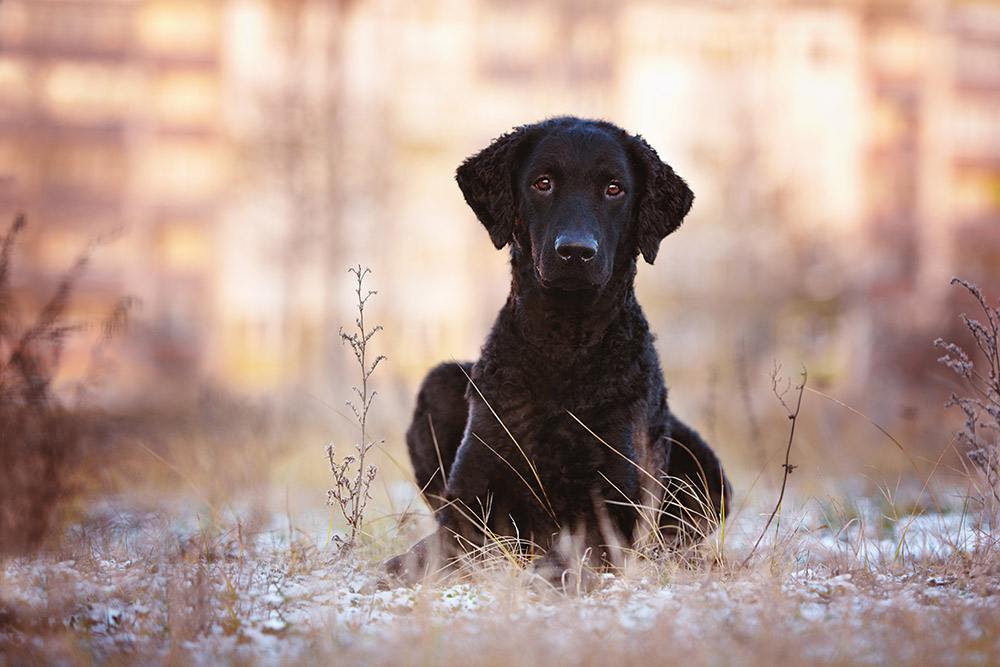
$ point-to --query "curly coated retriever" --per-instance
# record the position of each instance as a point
(560, 435)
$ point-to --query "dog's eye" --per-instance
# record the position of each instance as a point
(543, 184)
(614, 189)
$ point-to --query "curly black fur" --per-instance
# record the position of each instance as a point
(561, 428)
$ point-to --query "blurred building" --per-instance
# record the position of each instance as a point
(933, 159)
(845, 156)
(110, 125)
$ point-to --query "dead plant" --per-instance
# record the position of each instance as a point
(793, 416)
(352, 478)
(981, 430)
(41, 440)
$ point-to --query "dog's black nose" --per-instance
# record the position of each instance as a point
(576, 247)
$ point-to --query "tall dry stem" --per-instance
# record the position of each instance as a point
(793, 416)
(351, 490)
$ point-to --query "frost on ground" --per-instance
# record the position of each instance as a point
(144, 588)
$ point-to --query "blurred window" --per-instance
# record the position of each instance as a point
(977, 193)
(182, 170)
(180, 27)
(718, 47)
(897, 50)
(91, 92)
(892, 122)
(184, 245)
(186, 97)
(976, 128)
(15, 87)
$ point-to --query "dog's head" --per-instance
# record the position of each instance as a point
(578, 195)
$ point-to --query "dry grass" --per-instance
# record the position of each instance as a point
(834, 588)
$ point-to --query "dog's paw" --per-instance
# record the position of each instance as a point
(406, 569)
(421, 563)
(553, 572)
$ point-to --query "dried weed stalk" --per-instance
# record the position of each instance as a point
(793, 416)
(352, 483)
(981, 429)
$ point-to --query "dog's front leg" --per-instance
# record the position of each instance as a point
(462, 516)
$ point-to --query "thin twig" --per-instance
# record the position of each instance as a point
(788, 467)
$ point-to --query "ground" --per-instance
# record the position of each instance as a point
(182, 584)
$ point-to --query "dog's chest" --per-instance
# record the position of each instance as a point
(571, 429)
(569, 405)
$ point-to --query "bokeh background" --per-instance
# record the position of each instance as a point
(225, 162)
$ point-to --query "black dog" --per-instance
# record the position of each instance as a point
(560, 433)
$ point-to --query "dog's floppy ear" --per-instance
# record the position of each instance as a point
(487, 181)
(664, 200)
